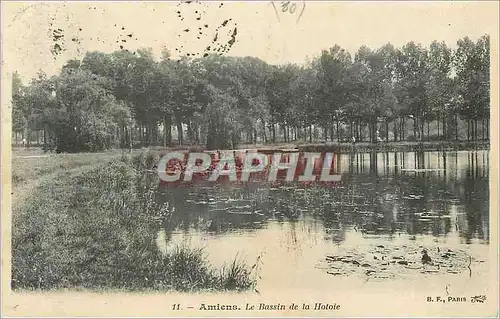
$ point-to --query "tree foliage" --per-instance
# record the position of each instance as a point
(123, 98)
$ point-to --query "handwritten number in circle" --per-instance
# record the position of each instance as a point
(287, 6)
(284, 5)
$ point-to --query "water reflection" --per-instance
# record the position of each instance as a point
(443, 194)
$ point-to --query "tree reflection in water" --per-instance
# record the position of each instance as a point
(388, 194)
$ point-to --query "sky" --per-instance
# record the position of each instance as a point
(29, 29)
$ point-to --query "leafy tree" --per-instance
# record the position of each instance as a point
(127, 98)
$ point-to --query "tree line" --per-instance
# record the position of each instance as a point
(129, 99)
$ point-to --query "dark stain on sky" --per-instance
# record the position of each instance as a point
(221, 39)
(57, 34)
(59, 45)
(122, 38)
(56, 50)
(233, 37)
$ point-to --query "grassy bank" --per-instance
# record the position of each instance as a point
(94, 227)
(30, 165)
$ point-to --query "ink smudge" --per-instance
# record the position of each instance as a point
(233, 37)
(57, 37)
(221, 39)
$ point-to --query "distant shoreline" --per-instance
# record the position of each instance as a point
(359, 147)
(398, 146)
(342, 148)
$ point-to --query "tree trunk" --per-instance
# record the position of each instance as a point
(386, 130)
(475, 130)
(356, 130)
(332, 128)
(373, 138)
(130, 136)
(180, 132)
(403, 130)
(428, 130)
(165, 129)
(45, 137)
(401, 123)
(155, 134)
(374, 132)
(438, 124)
(468, 130)
(142, 135)
(338, 131)
(415, 127)
(482, 128)
(265, 133)
(472, 133)
(370, 138)
(422, 123)
(151, 133)
(190, 132)
(445, 132)
(395, 124)
(488, 128)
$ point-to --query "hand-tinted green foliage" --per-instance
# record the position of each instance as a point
(125, 99)
(96, 228)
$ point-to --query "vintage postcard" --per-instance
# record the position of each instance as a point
(249, 159)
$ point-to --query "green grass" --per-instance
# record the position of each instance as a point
(94, 226)
(29, 165)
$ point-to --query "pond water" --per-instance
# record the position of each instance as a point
(388, 206)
